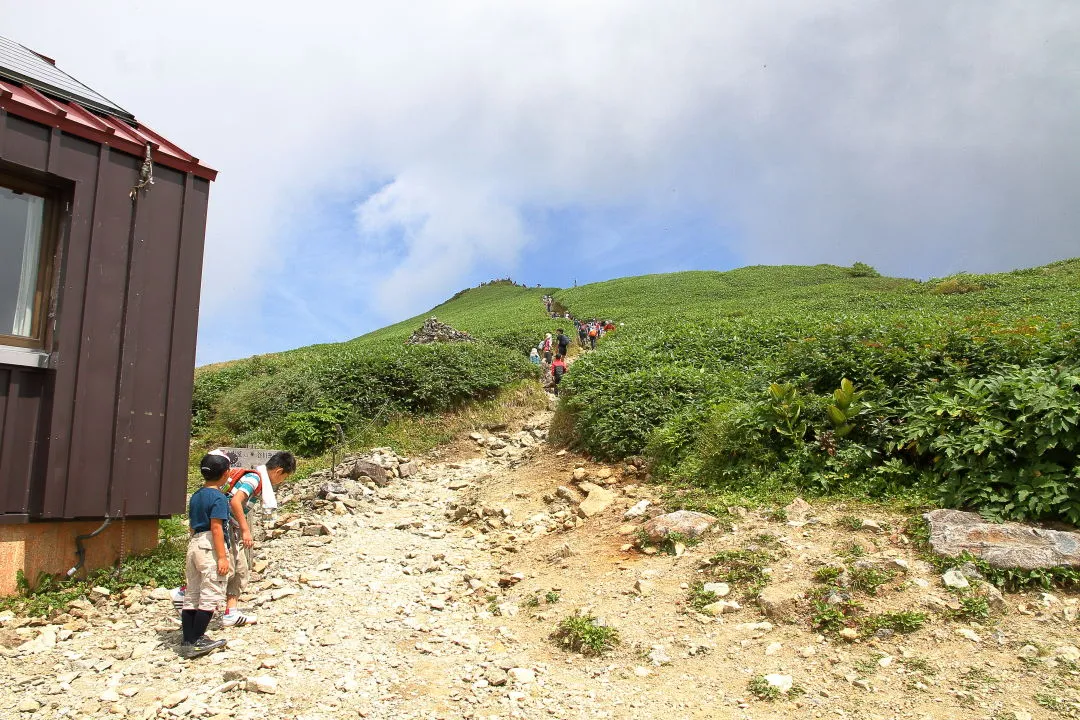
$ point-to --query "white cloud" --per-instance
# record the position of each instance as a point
(917, 136)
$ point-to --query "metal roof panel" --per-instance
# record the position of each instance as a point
(25, 66)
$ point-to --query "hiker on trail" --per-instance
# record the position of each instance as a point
(547, 348)
(594, 331)
(558, 369)
(609, 326)
(563, 343)
(245, 487)
(206, 569)
(534, 356)
(583, 334)
(242, 488)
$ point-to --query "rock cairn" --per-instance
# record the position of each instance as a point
(434, 331)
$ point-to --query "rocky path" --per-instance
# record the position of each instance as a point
(434, 596)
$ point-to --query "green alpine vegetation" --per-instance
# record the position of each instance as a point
(760, 383)
(766, 381)
(298, 399)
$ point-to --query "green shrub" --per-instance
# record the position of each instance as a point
(901, 622)
(828, 574)
(747, 567)
(583, 634)
(312, 431)
(861, 269)
(1005, 443)
(958, 285)
(868, 579)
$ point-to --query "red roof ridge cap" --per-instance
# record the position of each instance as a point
(46, 103)
(90, 118)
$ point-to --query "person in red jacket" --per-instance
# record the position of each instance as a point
(558, 369)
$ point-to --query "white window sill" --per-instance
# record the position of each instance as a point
(25, 357)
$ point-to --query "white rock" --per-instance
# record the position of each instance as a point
(783, 683)
(283, 593)
(645, 587)
(773, 648)
(641, 671)
(109, 696)
(969, 634)
(658, 655)
(171, 701)
(1067, 652)
(954, 579)
(521, 676)
(849, 634)
(161, 594)
(885, 661)
(45, 641)
(28, 706)
(755, 627)
(1028, 651)
(637, 511)
(261, 684)
(718, 589)
(144, 649)
(722, 607)
(808, 651)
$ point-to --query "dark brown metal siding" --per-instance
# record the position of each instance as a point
(21, 391)
(112, 418)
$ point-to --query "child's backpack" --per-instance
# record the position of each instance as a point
(558, 371)
(234, 477)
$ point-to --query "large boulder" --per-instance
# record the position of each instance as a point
(1003, 545)
(782, 603)
(362, 468)
(687, 523)
(597, 500)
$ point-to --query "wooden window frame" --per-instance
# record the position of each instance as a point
(50, 237)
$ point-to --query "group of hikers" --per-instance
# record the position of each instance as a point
(218, 561)
(550, 354)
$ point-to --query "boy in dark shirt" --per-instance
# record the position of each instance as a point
(563, 342)
(207, 568)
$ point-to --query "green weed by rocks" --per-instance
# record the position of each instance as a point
(584, 634)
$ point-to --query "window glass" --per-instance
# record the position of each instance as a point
(21, 218)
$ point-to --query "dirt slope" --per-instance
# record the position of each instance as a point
(406, 612)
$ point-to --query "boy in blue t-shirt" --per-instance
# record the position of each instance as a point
(207, 567)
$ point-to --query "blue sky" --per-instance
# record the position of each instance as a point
(376, 157)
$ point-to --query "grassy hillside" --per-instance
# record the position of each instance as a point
(964, 390)
(296, 398)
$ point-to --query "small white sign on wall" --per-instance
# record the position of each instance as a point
(249, 458)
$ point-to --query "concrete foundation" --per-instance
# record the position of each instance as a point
(49, 547)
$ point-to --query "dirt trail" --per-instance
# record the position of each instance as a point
(404, 612)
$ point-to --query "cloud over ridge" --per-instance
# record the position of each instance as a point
(921, 137)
